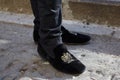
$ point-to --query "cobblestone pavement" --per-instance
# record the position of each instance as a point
(19, 59)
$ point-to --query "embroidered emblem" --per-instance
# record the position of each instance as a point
(67, 58)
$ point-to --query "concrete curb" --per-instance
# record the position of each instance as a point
(75, 26)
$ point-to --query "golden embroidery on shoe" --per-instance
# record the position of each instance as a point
(67, 58)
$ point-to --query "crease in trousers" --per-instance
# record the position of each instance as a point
(48, 19)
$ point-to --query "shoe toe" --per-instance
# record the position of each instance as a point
(82, 38)
(64, 61)
(77, 67)
(74, 68)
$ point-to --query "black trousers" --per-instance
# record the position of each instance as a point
(48, 19)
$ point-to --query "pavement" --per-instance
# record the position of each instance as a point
(19, 59)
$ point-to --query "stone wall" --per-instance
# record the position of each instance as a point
(19, 6)
(72, 10)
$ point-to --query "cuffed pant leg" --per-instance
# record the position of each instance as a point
(49, 14)
(34, 6)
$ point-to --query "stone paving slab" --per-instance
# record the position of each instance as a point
(77, 26)
(19, 59)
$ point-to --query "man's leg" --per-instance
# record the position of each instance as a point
(49, 20)
(35, 10)
(50, 40)
(67, 36)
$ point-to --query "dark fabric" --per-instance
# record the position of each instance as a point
(67, 37)
(48, 23)
(74, 67)
(73, 38)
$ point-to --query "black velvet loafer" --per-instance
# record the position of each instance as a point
(74, 38)
(67, 37)
(64, 61)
